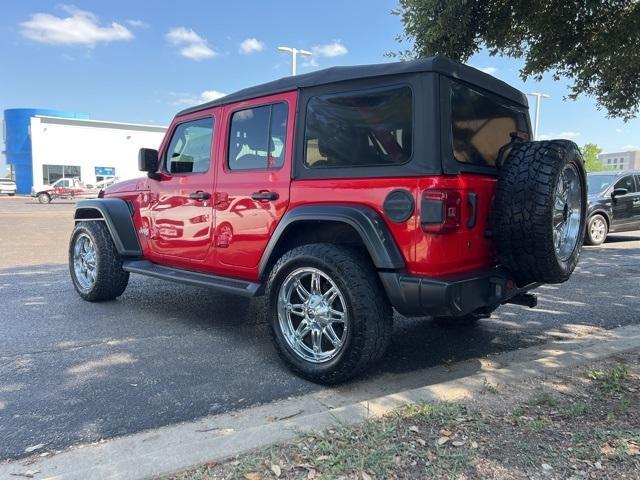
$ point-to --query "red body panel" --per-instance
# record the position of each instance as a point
(228, 234)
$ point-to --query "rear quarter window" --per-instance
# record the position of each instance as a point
(481, 124)
(359, 129)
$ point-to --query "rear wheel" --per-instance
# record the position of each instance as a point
(11, 194)
(44, 198)
(329, 315)
(94, 263)
(597, 230)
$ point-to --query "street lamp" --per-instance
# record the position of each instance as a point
(294, 54)
(537, 121)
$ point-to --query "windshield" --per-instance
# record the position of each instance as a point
(599, 183)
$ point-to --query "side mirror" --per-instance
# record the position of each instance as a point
(148, 162)
(619, 192)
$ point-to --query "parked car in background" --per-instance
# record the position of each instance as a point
(614, 204)
(67, 188)
(7, 187)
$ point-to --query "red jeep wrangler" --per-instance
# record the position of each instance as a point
(340, 195)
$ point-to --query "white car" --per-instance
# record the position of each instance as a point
(7, 187)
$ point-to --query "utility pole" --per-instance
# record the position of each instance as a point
(294, 56)
(538, 96)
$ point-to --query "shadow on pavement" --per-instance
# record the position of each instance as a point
(73, 372)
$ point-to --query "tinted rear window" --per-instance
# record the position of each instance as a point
(481, 125)
(359, 129)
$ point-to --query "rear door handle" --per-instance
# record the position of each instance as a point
(199, 196)
(265, 195)
(472, 200)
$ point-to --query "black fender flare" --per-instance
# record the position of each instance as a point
(117, 215)
(372, 229)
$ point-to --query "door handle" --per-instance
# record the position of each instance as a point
(472, 200)
(264, 195)
(199, 196)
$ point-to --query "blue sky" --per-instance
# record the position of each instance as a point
(136, 61)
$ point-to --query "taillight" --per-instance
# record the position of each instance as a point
(440, 211)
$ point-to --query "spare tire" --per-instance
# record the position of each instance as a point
(539, 213)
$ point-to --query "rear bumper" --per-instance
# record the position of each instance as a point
(450, 296)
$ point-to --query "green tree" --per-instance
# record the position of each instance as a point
(594, 43)
(590, 152)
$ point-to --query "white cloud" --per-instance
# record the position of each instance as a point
(630, 147)
(334, 49)
(570, 135)
(137, 23)
(79, 28)
(210, 95)
(489, 70)
(251, 45)
(206, 96)
(193, 45)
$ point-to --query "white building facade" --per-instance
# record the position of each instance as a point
(91, 150)
(621, 160)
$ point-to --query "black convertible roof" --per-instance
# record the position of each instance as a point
(439, 64)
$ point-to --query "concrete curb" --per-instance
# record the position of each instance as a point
(176, 447)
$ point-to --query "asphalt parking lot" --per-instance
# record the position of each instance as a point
(73, 372)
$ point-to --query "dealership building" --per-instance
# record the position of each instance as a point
(42, 146)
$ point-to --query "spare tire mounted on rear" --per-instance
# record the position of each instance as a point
(539, 213)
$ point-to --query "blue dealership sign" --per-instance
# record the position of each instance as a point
(106, 171)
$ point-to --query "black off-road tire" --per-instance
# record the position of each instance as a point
(370, 313)
(523, 211)
(111, 280)
(589, 238)
(44, 198)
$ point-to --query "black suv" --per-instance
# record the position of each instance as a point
(614, 204)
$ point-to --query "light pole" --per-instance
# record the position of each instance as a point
(538, 96)
(294, 56)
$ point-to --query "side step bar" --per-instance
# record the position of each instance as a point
(224, 284)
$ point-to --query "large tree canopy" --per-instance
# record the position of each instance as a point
(593, 43)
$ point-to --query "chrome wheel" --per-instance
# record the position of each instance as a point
(84, 261)
(312, 315)
(597, 230)
(566, 212)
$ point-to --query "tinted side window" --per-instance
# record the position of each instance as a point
(190, 147)
(626, 182)
(481, 125)
(359, 129)
(257, 137)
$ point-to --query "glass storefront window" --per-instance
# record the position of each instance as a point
(52, 173)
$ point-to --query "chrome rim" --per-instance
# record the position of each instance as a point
(567, 211)
(312, 315)
(84, 261)
(597, 230)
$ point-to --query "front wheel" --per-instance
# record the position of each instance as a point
(597, 230)
(329, 314)
(94, 263)
(44, 198)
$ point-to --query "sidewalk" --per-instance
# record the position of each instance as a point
(497, 382)
(577, 423)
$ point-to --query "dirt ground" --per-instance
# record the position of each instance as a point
(580, 423)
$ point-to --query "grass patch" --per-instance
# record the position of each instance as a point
(612, 380)
(545, 399)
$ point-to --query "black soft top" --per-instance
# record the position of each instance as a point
(438, 64)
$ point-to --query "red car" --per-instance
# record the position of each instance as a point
(341, 195)
(67, 188)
